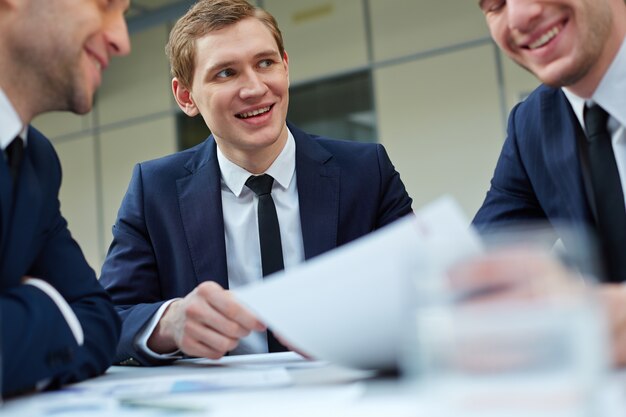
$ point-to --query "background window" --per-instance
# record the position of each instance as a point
(340, 107)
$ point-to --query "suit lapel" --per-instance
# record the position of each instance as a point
(559, 129)
(318, 194)
(200, 202)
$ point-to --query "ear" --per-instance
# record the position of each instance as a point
(286, 64)
(184, 99)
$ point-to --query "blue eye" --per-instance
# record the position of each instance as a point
(266, 63)
(225, 73)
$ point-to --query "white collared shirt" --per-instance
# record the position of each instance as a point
(611, 96)
(239, 205)
(10, 123)
(243, 251)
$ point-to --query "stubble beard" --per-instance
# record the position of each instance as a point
(592, 47)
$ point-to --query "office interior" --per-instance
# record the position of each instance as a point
(422, 77)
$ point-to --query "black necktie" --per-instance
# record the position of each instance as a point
(608, 194)
(269, 237)
(15, 152)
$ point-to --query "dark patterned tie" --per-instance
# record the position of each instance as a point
(608, 194)
(15, 152)
(269, 237)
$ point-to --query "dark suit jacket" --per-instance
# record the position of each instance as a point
(169, 235)
(37, 343)
(539, 175)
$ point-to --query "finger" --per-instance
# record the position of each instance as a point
(519, 272)
(199, 310)
(215, 320)
(197, 333)
(198, 349)
(224, 302)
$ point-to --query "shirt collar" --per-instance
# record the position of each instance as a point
(611, 92)
(10, 123)
(282, 169)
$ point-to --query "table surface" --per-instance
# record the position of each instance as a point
(279, 384)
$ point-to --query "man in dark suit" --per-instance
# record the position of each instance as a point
(187, 229)
(57, 323)
(564, 159)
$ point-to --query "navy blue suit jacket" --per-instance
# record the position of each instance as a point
(539, 175)
(37, 343)
(169, 235)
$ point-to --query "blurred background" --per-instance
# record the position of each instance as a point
(422, 77)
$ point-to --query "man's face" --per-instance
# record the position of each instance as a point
(562, 42)
(67, 44)
(241, 88)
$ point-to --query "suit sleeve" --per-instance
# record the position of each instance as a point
(37, 343)
(511, 198)
(394, 199)
(130, 274)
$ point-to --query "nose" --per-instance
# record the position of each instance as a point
(253, 85)
(117, 38)
(523, 14)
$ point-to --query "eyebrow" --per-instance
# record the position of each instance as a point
(226, 64)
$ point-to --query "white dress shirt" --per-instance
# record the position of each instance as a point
(10, 127)
(10, 123)
(243, 252)
(611, 96)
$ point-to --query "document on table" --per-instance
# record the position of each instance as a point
(186, 381)
(285, 360)
(352, 306)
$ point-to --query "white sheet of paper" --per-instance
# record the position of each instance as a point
(202, 380)
(351, 306)
(286, 360)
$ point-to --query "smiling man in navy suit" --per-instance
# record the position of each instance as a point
(57, 323)
(187, 229)
(564, 159)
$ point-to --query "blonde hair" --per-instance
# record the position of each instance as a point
(204, 17)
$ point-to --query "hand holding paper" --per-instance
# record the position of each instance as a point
(352, 305)
(208, 322)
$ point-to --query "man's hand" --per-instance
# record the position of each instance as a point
(208, 323)
(511, 274)
(613, 298)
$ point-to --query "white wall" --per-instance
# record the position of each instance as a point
(442, 126)
(441, 92)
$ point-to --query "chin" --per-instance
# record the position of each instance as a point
(81, 105)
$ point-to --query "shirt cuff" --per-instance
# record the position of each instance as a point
(62, 305)
(144, 335)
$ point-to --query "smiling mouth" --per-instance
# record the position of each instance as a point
(545, 38)
(253, 113)
(98, 61)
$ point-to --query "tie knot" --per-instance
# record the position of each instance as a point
(596, 119)
(260, 184)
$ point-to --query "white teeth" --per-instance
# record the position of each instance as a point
(253, 113)
(547, 37)
(96, 62)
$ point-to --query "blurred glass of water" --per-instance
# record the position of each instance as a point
(516, 331)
